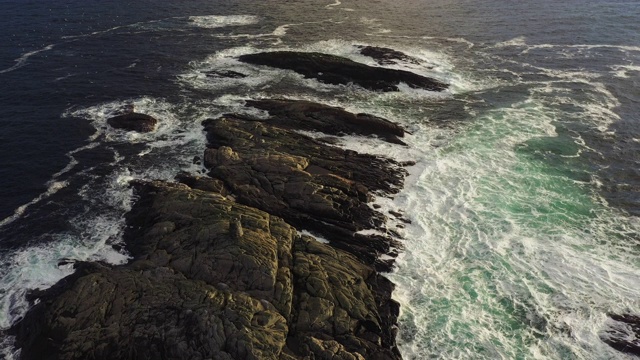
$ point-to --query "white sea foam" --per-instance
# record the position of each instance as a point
(517, 41)
(37, 267)
(622, 71)
(277, 34)
(22, 60)
(218, 21)
(375, 25)
(53, 186)
(503, 260)
(337, 3)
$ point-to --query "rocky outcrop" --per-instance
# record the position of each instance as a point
(219, 269)
(134, 122)
(214, 279)
(309, 116)
(312, 185)
(387, 56)
(337, 70)
(623, 333)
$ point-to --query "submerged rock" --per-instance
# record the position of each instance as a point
(387, 56)
(623, 333)
(337, 70)
(134, 122)
(225, 74)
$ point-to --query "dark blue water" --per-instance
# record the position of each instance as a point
(537, 140)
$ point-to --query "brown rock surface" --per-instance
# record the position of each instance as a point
(218, 272)
(200, 289)
(312, 185)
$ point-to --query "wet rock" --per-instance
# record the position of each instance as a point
(306, 115)
(623, 333)
(134, 122)
(399, 216)
(310, 184)
(213, 279)
(387, 56)
(337, 70)
(225, 74)
(202, 183)
(219, 271)
(144, 312)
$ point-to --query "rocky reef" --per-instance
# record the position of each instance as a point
(338, 70)
(220, 268)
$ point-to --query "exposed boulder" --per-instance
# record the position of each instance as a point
(134, 122)
(337, 70)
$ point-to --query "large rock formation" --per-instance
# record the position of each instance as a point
(311, 185)
(214, 279)
(337, 70)
(218, 272)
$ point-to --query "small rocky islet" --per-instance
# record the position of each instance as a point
(220, 269)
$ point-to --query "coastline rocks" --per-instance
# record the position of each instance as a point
(144, 312)
(623, 333)
(134, 122)
(312, 185)
(211, 278)
(218, 270)
(309, 116)
(337, 70)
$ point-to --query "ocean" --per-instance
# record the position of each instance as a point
(524, 199)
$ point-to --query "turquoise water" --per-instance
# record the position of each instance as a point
(515, 254)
